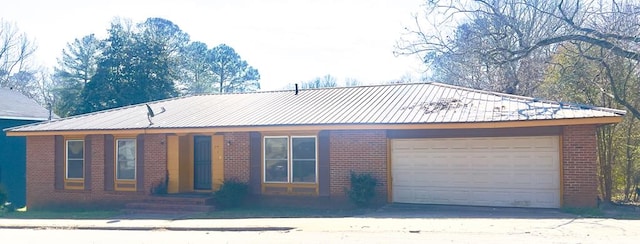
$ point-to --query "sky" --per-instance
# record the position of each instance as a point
(288, 41)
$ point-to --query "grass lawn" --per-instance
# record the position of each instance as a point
(279, 212)
(236, 213)
(61, 214)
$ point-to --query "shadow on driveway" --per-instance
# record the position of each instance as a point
(398, 210)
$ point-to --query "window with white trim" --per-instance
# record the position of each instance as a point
(125, 159)
(74, 163)
(290, 159)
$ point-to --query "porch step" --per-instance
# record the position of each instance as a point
(171, 204)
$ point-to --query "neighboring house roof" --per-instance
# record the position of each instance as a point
(15, 106)
(398, 104)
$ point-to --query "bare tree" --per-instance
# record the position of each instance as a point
(517, 29)
(16, 51)
(349, 82)
(320, 82)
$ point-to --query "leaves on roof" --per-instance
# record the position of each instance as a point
(440, 105)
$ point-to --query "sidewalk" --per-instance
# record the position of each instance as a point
(147, 223)
(396, 217)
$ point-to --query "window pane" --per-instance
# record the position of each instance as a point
(75, 169)
(276, 154)
(276, 170)
(126, 162)
(75, 149)
(304, 171)
(75, 159)
(304, 159)
(275, 148)
(304, 148)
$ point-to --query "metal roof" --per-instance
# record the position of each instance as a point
(15, 106)
(417, 103)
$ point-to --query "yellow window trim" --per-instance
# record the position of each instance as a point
(125, 182)
(290, 188)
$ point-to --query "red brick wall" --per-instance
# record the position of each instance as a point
(360, 152)
(236, 156)
(40, 178)
(579, 153)
(40, 168)
(97, 162)
(155, 160)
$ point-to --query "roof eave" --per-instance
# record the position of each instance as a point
(317, 127)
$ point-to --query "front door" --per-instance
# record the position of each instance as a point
(202, 162)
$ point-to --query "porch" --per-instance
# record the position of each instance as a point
(195, 163)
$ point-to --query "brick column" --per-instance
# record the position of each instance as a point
(579, 155)
(237, 153)
(361, 152)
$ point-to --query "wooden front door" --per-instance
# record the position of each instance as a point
(202, 162)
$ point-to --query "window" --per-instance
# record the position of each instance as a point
(290, 159)
(304, 159)
(126, 159)
(75, 159)
(276, 163)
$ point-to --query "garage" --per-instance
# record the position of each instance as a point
(479, 171)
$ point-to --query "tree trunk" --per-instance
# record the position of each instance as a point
(606, 157)
(629, 167)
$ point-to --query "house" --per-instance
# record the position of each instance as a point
(426, 143)
(15, 110)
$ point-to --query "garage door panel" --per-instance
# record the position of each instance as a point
(480, 197)
(510, 171)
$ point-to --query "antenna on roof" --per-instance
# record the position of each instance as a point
(50, 111)
(296, 89)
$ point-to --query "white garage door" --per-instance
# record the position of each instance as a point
(482, 171)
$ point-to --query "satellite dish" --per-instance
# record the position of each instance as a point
(150, 111)
(150, 114)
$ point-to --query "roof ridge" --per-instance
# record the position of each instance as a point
(314, 88)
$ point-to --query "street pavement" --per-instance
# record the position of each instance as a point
(391, 224)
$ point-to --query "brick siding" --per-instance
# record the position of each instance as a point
(40, 168)
(360, 152)
(579, 178)
(40, 178)
(236, 156)
(155, 160)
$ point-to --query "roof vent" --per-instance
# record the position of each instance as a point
(296, 89)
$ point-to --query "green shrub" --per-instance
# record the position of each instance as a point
(231, 194)
(363, 189)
